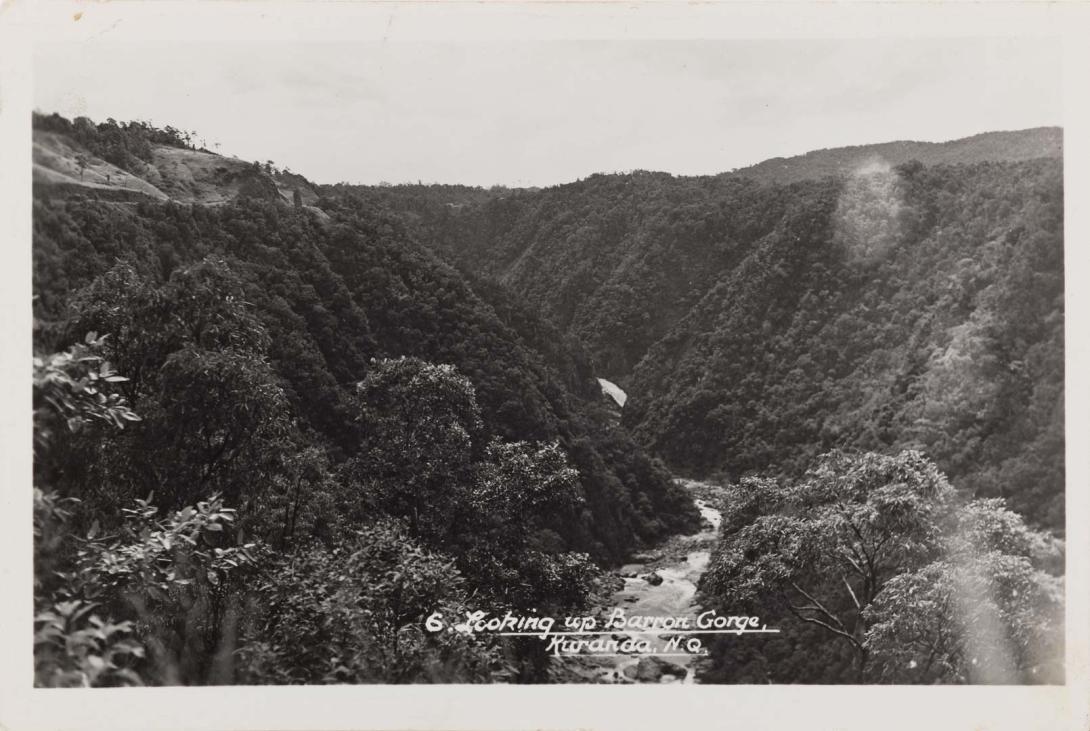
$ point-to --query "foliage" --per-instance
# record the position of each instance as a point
(885, 558)
(72, 389)
(195, 359)
(75, 648)
(354, 613)
(503, 510)
(248, 388)
(407, 436)
(418, 424)
(991, 618)
(126, 145)
(170, 576)
(524, 496)
(153, 572)
(1017, 145)
(756, 326)
(319, 302)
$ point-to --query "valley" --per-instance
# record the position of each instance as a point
(301, 418)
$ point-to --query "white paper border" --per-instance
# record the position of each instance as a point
(501, 707)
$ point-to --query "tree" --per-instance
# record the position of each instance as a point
(845, 548)
(419, 421)
(989, 611)
(522, 497)
(500, 513)
(300, 504)
(195, 363)
(120, 607)
(355, 613)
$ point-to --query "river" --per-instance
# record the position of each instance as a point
(679, 562)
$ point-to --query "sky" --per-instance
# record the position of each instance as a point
(548, 112)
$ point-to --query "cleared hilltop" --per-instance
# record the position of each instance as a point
(134, 161)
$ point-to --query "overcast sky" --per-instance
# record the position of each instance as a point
(543, 113)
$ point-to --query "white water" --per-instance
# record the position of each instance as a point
(613, 391)
(672, 598)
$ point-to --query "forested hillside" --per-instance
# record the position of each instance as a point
(271, 437)
(915, 308)
(1026, 144)
(755, 326)
(278, 425)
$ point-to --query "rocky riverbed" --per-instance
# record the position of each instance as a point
(656, 583)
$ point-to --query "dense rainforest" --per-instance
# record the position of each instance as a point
(339, 395)
(277, 425)
(756, 325)
(834, 336)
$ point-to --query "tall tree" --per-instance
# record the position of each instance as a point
(842, 549)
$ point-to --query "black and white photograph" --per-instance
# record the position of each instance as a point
(462, 359)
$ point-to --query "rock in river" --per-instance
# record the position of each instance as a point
(651, 670)
(653, 579)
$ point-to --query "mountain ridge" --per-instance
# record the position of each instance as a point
(195, 170)
(998, 145)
